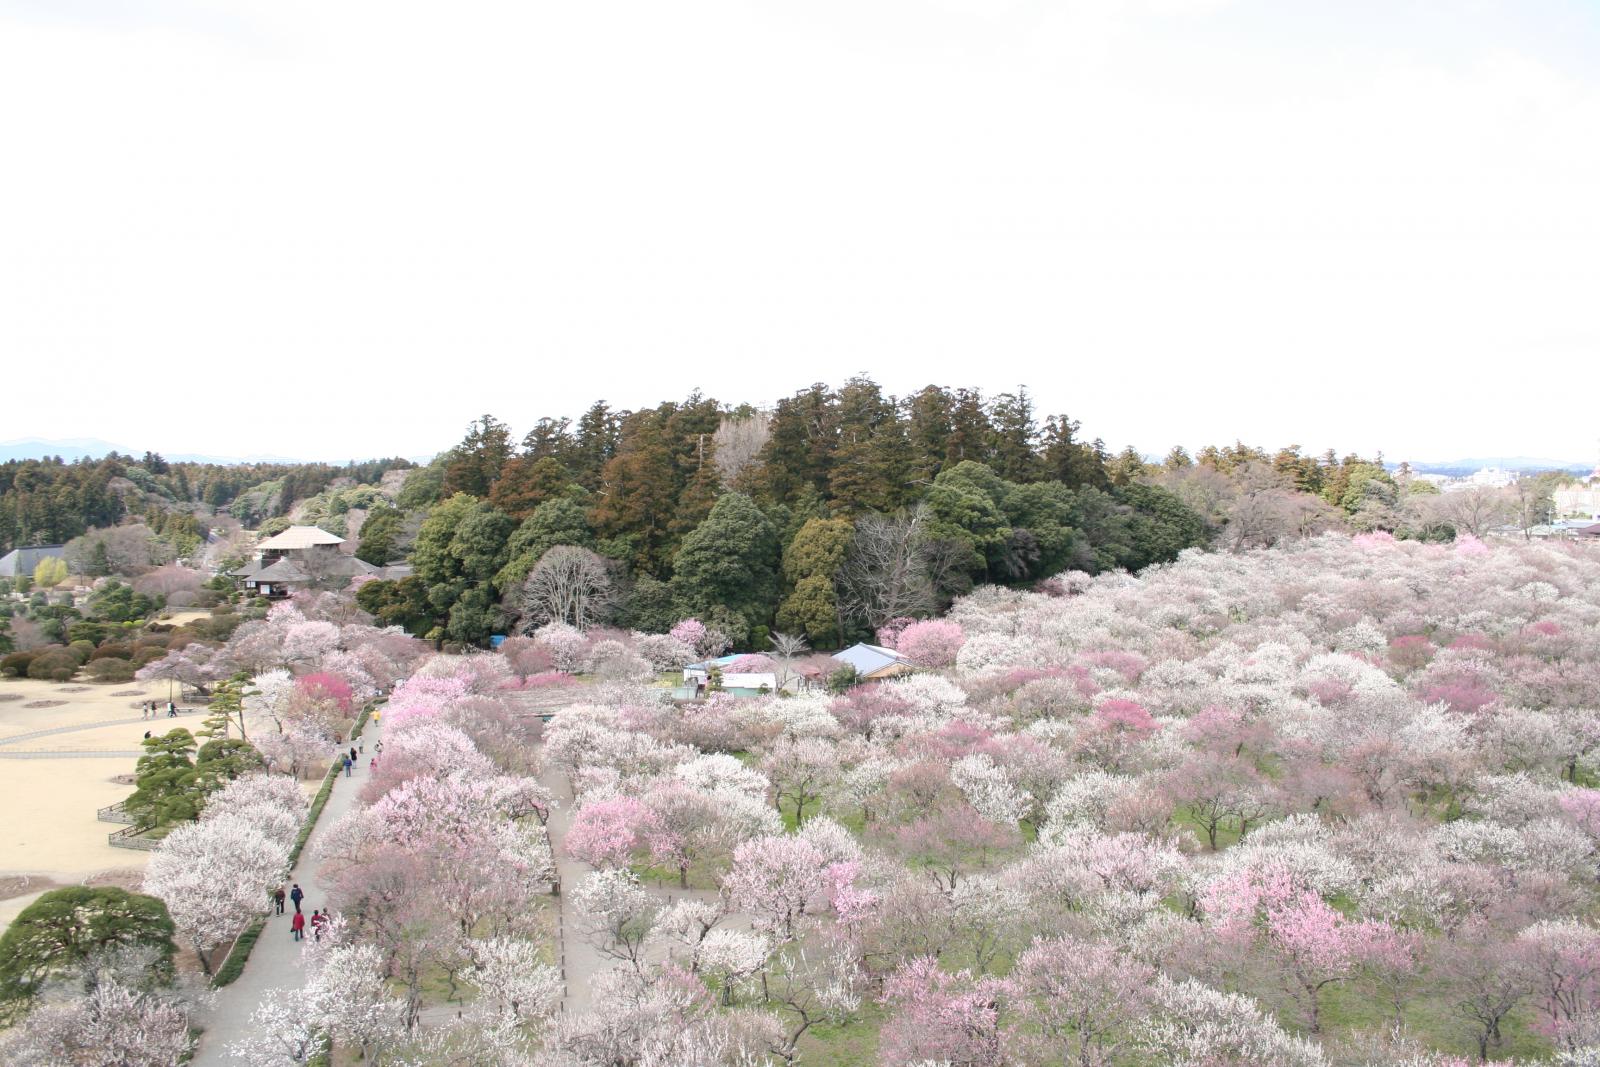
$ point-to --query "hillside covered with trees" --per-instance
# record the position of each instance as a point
(49, 501)
(827, 515)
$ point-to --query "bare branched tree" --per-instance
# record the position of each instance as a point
(1474, 511)
(786, 648)
(568, 584)
(1266, 509)
(738, 442)
(885, 573)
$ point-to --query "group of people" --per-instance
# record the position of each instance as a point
(297, 925)
(319, 919)
(149, 709)
(351, 759)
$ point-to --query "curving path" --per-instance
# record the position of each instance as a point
(275, 962)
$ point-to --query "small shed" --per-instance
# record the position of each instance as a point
(757, 683)
(874, 661)
(697, 673)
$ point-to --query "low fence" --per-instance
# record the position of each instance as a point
(117, 812)
(129, 837)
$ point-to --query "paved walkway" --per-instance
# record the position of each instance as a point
(275, 962)
(579, 960)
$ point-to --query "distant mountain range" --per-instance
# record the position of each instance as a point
(73, 448)
(1459, 467)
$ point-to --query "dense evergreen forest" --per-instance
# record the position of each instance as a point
(822, 516)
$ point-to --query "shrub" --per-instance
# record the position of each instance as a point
(16, 664)
(54, 664)
(112, 651)
(90, 631)
(147, 655)
(82, 650)
(843, 679)
(112, 670)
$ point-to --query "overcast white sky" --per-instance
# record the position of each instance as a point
(334, 228)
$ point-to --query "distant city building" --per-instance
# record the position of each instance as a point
(1579, 501)
(1565, 530)
(1486, 478)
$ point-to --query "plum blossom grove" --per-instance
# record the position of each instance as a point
(1331, 803)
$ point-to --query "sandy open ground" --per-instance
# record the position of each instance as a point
(49, 827)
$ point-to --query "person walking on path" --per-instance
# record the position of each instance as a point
(318, 921)
(277, 900)
(352, 753)
(297, 925)
(347, 766)
(297, 896)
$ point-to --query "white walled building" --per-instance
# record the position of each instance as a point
(1578, 501)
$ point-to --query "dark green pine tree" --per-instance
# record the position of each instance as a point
(596, 444)
(861, 466)
(970, 430)
(1014, 439)
(478, 458)
(928, 429)
(799, 450)
(1068, 461)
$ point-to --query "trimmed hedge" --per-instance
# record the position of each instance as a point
(319, 802)
(361, 720)
(233, 966)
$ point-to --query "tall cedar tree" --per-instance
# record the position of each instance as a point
(479, 458)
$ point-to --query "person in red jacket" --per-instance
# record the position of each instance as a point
(318, 921)
(297, 926)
